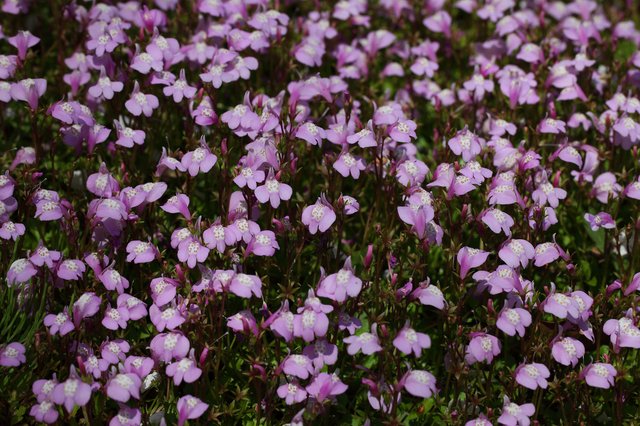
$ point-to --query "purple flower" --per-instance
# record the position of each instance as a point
(263, 244)
(321, 353)
(71, 269)
(217, 237)
(43, 388)
(532, 375)
(512, 321)
(127, 136)
(498, 221)
(12, 355)
(86, 306)
(292, 392)
(622, 332)
(470, 258)
(114, 351)
(102, 183)
(311, 319)
(599, 375)
(167, 347)
(201, 159)
(403, 131)
(281, 322)
(566, 350)
(549, 125)
(141, 252)
(167, 317)
(366, 137)
(326, 385)
(112, 280)
(186, 369)
(546, 192)
(10, 230)
(465, 143)
(319, 216)
(23, 41)
(423, 66)
(311, 133)
(250, 174)
(45, 411)
(417, 216)
(408, 340)
(180, 89)
(59, 323)
(243, 285)
(514, 414)
(349, 164)
(29, 90)
(21, 271)
(342, 284)
(72, 392)
(418, 383)
(144, 62)
(297, 365)
(273, 191)
(482, 420)
(162, 48)
(516, 253)
(440, 22)
(115, 318)
(190, 407)
(126, 416)
(140, 103)
(123, 386)
(138, 365)
(137, 308)
(429, 295)
(367, 342)
(179, 203)
(243, 322)
(482, 347)
(411, 172)
(8, 65)
(105, 86)
(101, 44)
(605, 187)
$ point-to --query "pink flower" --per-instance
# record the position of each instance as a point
(599, 375)
(470, 258)
(140, 103)
(418, 383)
(338, 286)
(29, 90)
(59, 323)
(273, 191)
(179, 203)
(482, 347)
(532, 376)
(115, 318)
(167, 317)
(123, 386)
(408, 340)
(311, 133)
(23, 41)
(292, 392)
(141, 252)
(190, 407)
(10, 230)
(566, 350)
(326, 385)
(367, 342)
(465, 143)
(319, 216)
(12, 355)
(514, 414)
(321, 353)
(549, 125)
(72, 392)
(513, 320)
(244, 285)
(201, 159)
(516, 253)
(186, 369)
(605, 187)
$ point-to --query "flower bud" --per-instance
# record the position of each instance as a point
(369, 256)
(203, 357)
(223, 147)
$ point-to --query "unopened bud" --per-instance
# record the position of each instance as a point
(490, 307)
(369, 256)
(223, 147)
(279, 226)
(203, 357)
(385, 333)
(292, 166)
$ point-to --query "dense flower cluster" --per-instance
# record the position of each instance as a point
(332, 212)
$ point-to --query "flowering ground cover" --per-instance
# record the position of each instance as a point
(294, 212)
